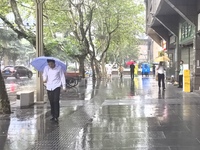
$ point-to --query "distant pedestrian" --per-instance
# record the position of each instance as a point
(54, 77)
(161, 75)
(154, 69)
(109, 72)
(121, 70)
(132, 70)
(180, 82)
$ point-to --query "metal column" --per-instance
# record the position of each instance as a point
(39, 47)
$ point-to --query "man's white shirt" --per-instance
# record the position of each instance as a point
(161, 70)
(109, 69)
(55, 78)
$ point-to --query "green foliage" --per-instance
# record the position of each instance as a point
(129, 25)
(8, 38)
(5, 8)
(114, 25)
(93, 27)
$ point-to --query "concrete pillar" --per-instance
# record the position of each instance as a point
(39, 47)
(177, 58)
(196, 63)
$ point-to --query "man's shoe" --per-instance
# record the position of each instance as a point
(52, 119)
(180, 87)
(56, 120)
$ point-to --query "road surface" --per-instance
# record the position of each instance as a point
(14, 85)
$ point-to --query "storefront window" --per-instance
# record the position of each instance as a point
(186, 31)
(189, 30)
(183, 32)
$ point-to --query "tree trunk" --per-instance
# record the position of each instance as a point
(98, 70)
(4, 127)
(93, 69)
(82, 66)
(103, 68)
(4, 101)
(14, 62)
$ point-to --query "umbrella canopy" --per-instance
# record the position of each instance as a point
(130, 62)
(39, 63)
(162, 58)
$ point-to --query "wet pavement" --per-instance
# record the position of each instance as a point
(116, 115)
(14, 85)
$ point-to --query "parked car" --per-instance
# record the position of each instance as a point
(16, 71)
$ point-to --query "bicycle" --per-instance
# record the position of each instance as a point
(71, 82)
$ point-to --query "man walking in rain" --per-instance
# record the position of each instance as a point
(180, 82)
(132, 69)
(54, 78)
(121, 70)
(109, 72)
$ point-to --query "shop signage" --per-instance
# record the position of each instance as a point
(172, 39)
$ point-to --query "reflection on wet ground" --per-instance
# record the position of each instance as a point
(116, 115)
(137, 116)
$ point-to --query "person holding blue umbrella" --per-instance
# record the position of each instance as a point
(54, 77)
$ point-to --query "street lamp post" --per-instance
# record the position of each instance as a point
(39, 47)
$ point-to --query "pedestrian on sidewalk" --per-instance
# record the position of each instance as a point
(132, 69)
(180, 80)
(161, 75)
(109, 71)
(154, 70)
(121, 70)
(54, 77)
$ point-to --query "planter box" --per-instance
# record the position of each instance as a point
(25, 99)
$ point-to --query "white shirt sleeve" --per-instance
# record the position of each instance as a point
(63, 79)
(45, 74)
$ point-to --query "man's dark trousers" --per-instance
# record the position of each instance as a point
(180, 83)
(54, 98)
(132, 68)
(161, 78)
(132, 74)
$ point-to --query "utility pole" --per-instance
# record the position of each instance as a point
(39, 48)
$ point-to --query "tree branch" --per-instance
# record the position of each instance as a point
(81, 22)
(21, 34)
(48, 22)
(18, 19)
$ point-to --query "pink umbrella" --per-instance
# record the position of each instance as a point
(130, 62)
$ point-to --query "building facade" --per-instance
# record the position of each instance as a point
(178, 23)
(156, 48)
(143, 51)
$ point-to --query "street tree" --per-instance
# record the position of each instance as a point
(88, 29)
(91, 27)
(4, 101)
(13, 16)
(114, 29)
(18, 26)
(6, 37)
(73, 20)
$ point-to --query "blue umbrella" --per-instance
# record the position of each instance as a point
(39, 63)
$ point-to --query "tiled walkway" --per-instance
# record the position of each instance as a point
(118, 115)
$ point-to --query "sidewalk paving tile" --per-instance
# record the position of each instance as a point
(116, 115)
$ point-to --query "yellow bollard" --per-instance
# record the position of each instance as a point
(186, 81)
